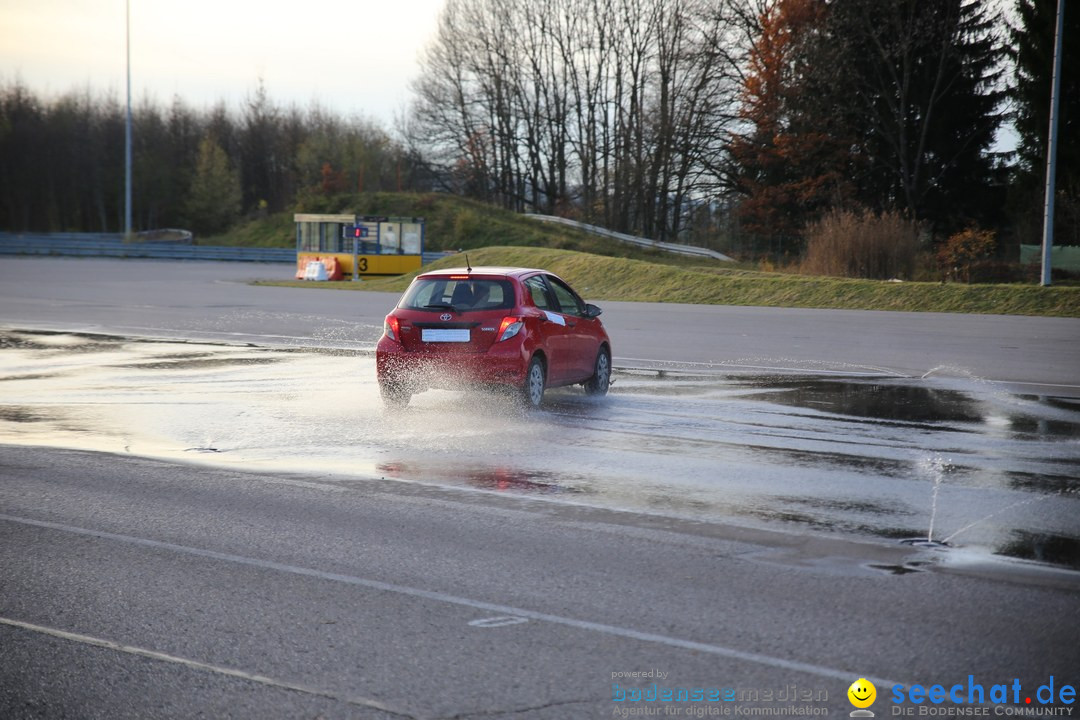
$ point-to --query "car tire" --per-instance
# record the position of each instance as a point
(394, 396)
(599, 383)
(532, 392)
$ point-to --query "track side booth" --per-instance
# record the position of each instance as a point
(358, 245)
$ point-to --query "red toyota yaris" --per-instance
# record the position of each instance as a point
(526, 329)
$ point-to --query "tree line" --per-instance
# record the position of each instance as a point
(62, 161)
(691, 120)
(751, 117)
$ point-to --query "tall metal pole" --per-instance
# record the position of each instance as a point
(1051, 152)
(127, 128)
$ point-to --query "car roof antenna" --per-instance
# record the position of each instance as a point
(468, 265)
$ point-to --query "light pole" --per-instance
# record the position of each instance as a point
(1051, 152)
(127, 127)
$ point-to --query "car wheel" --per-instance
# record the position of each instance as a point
(394, 396)
(535, 381)
(599, 383)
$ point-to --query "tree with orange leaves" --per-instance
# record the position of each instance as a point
(333, 181)
(787, 167)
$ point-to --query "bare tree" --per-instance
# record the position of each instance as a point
(605, 109)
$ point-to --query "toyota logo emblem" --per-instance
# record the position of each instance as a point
(445, 316)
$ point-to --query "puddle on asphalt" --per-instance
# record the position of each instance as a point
(953, 457)
(1046, 548)
(892, 403)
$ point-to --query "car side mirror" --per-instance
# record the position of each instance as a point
(591, 311)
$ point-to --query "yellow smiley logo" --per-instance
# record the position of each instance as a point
(862, 693)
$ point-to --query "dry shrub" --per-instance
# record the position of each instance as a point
(965, 250)
(861, 245)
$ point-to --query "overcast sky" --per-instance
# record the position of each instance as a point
(353, 56)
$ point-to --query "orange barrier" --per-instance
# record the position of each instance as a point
(365, 265)
(333, 267)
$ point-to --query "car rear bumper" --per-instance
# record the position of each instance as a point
(503, 364)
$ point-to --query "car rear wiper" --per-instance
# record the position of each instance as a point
(440, 306)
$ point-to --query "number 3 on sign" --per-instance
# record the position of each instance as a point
(362, 266)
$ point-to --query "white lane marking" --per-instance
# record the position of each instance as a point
(682, 365)
(500, 621)
(196, 665)
(504, 610)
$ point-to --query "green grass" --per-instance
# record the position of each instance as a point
(277, 230)
(601, 278)
(604, 269)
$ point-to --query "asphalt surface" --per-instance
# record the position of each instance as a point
(211, 301)
(272, 596)
(136, 587)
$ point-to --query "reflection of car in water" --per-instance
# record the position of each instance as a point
(515, 327)
(501, 479)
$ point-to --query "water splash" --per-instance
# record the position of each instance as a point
(951, 370)
(957, 373)
(1010, 506)
(937, 467)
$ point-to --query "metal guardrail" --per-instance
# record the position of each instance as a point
(634, 240)
(113, 245)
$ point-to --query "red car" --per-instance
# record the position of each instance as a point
(488, 326)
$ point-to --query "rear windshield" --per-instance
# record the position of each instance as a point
(460, 295)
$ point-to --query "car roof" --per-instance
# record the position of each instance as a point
(514, 272)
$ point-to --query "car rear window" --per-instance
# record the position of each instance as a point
(462, 295)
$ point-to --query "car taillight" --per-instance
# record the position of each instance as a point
(392, 327)
(510, 327)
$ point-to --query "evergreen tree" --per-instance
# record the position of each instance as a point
(215, 195)
(918, 85)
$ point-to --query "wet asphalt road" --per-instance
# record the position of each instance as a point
(210, 301)
(883, 458)
(381, 572)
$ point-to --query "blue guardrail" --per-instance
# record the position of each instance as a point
(99, 245)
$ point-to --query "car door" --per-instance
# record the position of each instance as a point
(581, 339)
(554, 330)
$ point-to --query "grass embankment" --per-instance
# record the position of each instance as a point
(613, 278)
(451, 223)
